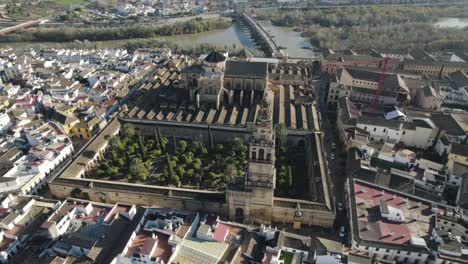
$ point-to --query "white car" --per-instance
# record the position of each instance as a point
(342, 231)
(332, 156)
(333, 145)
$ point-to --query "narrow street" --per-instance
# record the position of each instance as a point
(341, 162)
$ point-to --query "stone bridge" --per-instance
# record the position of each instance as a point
(261, 36)
(24, 25)
(268, 44)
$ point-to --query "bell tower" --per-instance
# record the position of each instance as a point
(260, 179)
(261, 171)
(253, 201)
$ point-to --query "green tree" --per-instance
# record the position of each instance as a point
(189, 173)
(112, 171)
(187, 158)
(182, 146)
(162, 140)
(170, 166)
(290, 177)
(203, 151)
(128, 131)
(130, 150)
(142, 147)
(99, 173)
(197, 163)
(210, 138)
(219, 148)
(211, 175)
(120, 162)
(282, 133)
(114, 143)
(155, 153)
(180, 171)
(156, 138)
(113, 155)
(138, 169)
(174, 179)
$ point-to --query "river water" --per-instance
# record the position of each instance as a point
(295, 45)
(234, 37)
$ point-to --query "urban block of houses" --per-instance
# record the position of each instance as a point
(361, 86)
(21, 219)
(395, 226)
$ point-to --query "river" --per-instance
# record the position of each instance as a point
(295, 45)
(236, 36)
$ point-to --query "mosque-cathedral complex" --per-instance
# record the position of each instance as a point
(237, 97)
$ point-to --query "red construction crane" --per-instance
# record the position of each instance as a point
(380, 83)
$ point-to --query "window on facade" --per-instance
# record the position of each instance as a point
(384, 130)
(261, 154)
(375, 129)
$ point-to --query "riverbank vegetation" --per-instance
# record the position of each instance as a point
(64, 34)
(376, 27)
(158, 160)
(131, 45)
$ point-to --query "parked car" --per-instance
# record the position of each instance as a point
(340, 207)
(342, 231)
(333, 145)
(332, 156)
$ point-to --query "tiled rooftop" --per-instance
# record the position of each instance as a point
(373, 227)
(145, 242)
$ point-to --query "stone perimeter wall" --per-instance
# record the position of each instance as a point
(81, 188)
(154, 196)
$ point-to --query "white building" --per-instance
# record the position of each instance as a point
(381, 130)
(5, 122)
(29, 173)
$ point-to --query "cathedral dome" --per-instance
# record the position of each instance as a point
(215, 57)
